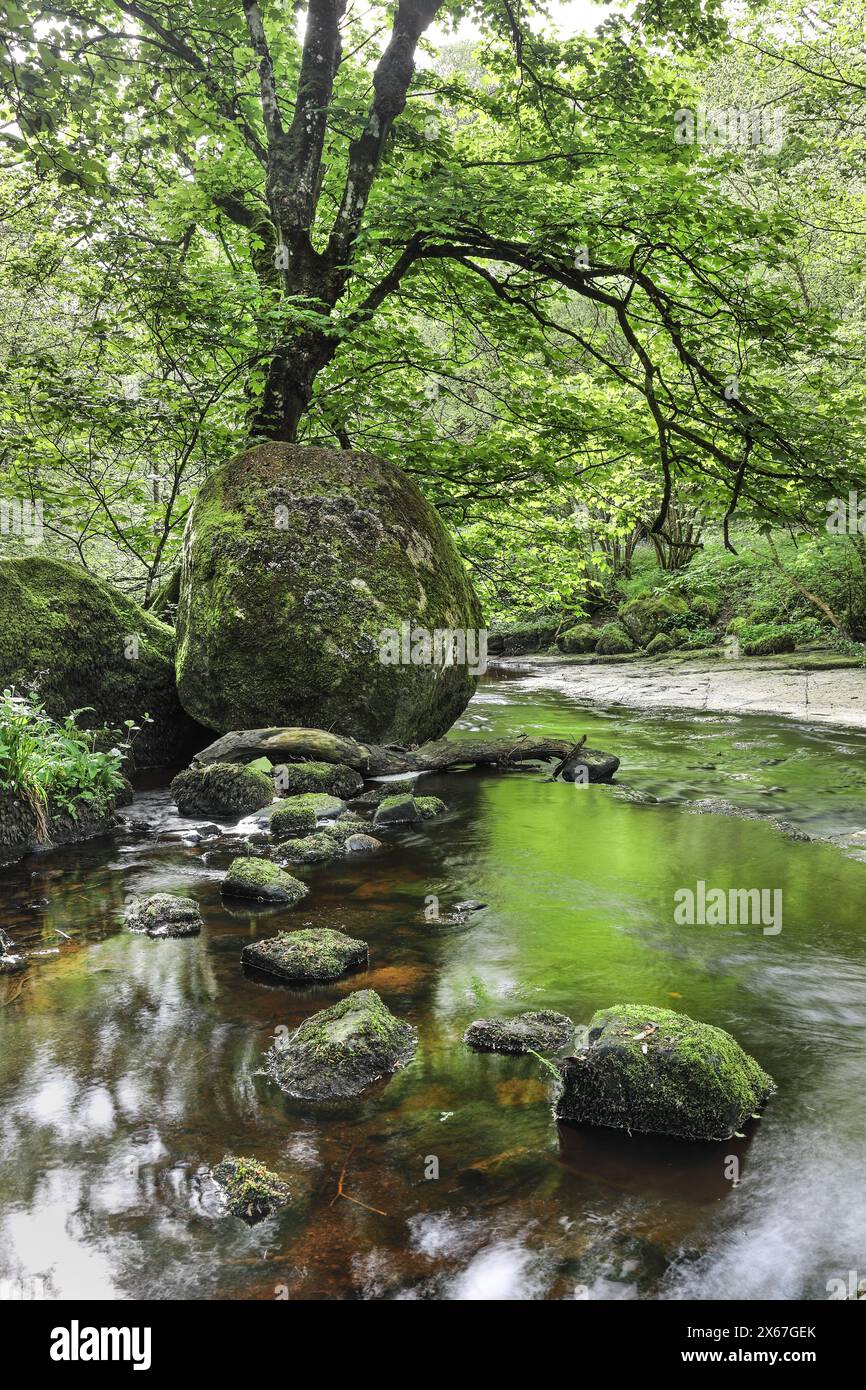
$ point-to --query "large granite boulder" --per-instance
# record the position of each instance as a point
(296, 560)
(82, 645)
(341, 1051)
(654, 1071)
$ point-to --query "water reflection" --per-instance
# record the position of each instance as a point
(128, 1066)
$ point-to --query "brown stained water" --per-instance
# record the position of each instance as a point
(129, 1066)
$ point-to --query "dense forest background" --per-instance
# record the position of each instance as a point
(603, 296)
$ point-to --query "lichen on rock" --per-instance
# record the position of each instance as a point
(317, 552)
(654, 1071)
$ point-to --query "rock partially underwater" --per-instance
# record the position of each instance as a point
(164, 915)
(341, 1051)
(306, 956)
(262, 881)
(541, 1031)
(654, 1071)
(251, 1191)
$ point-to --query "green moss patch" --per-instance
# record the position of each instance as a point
(262, 880)
(292, 779)
(226, 790)
(654, 1071)
(311, 954)
(251, 1190)
(339, 1052)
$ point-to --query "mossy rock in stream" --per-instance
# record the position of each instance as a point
(299, 815)
(541, 1030)
(80, 644)
(307, 956)
(296, 560)
(654, 1071)
(309, 849)
(292, 779)
(164, 915)
(263, 881)
(341, 1051)
(251, 1190)
(225, 790)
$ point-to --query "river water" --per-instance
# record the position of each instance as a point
(129, 1066)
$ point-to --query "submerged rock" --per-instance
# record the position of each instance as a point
(266, 882)
(541, 1031)
(339, 1052)
(251, 1190)
(336, 778)
(85, 646)
(654, 1071)
(321, 550)
(221, 789)
(313, 953)
(164, 915)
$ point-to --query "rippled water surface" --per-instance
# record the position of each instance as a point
(128, 1066)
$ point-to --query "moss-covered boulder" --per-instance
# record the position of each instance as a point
(226, 790)
(299, 815)
(82, 645)
(660, 644)
(292, 779)
(766, 639)
(304, 556)
(613, 640)
(263, 881)
(397, 810)
(250, 1189)
(580, 638)
(345, 826)
(654, 1071)
(309, 849)
(430, 806)
(540, 1031)
(342, 1050)
(164, 915)
(643, 617)
(306, 956)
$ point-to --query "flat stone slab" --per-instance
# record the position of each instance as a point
(747, 685)
(164, 915)
(541, 1031)
(308, 955)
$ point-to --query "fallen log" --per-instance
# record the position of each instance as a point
(295, 745)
